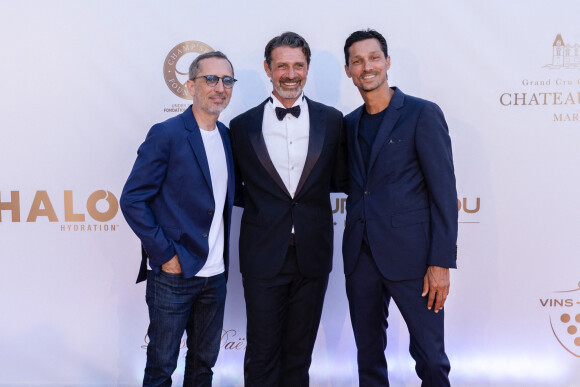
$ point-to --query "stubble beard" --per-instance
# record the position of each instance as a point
(207, 106)
(288, 94)
(374, 86)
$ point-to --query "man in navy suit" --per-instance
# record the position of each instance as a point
(178, 200)
(401, 225)
(290, 154)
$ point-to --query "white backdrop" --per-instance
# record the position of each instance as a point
(82, 82)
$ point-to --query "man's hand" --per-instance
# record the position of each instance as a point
(436, 283)
(172, 266)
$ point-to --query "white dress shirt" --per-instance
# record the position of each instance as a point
(287, 141)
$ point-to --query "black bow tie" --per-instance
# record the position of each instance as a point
(281, 112)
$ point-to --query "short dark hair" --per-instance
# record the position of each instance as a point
(194, 67)
(357, 36)
(289, 39)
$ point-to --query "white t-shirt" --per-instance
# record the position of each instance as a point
(218, 168)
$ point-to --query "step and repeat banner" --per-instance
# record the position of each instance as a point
(82, 82)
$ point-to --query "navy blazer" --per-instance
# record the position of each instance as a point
(270, 211)
(407, 197)
(168, 198)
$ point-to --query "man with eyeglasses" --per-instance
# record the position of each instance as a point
(290, 154)
(178, 200)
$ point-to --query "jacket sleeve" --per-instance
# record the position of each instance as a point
(143, 184)
(433, 146)
(340, 174)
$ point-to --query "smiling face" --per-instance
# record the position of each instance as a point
(367, 66)
(288, 71)
(211, 100)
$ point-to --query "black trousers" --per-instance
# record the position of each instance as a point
(283, 317)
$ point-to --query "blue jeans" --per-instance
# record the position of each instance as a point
(194, 305)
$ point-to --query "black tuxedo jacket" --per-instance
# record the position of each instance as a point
(270, 211)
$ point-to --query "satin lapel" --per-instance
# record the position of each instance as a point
(257, 140)
(196, 143)
(316, 136)
(389, 120)
(354, 146)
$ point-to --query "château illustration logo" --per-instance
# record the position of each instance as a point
(556, 89)
(176, 67)
(101, 207)
(564, 55)
(564, 318)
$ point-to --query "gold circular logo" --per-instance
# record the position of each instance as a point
(177, 63)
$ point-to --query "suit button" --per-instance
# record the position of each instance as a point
(361, 220)
(210, 212)
(367, 192)
(204, 235)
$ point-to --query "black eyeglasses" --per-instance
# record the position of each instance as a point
(212, 80)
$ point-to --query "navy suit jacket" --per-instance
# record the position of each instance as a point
(270, 211)
(407, 197)
(168, 198)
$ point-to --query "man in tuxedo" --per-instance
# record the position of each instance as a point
(290, 154)
(178, 200)
(401, 224)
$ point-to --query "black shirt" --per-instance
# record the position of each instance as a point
(367, 132)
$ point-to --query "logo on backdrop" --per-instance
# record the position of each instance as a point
(100, 208)
(556, 90)
(176, 70)
(564, 318)
(564, 55)
(231, 340)
(468, 208)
